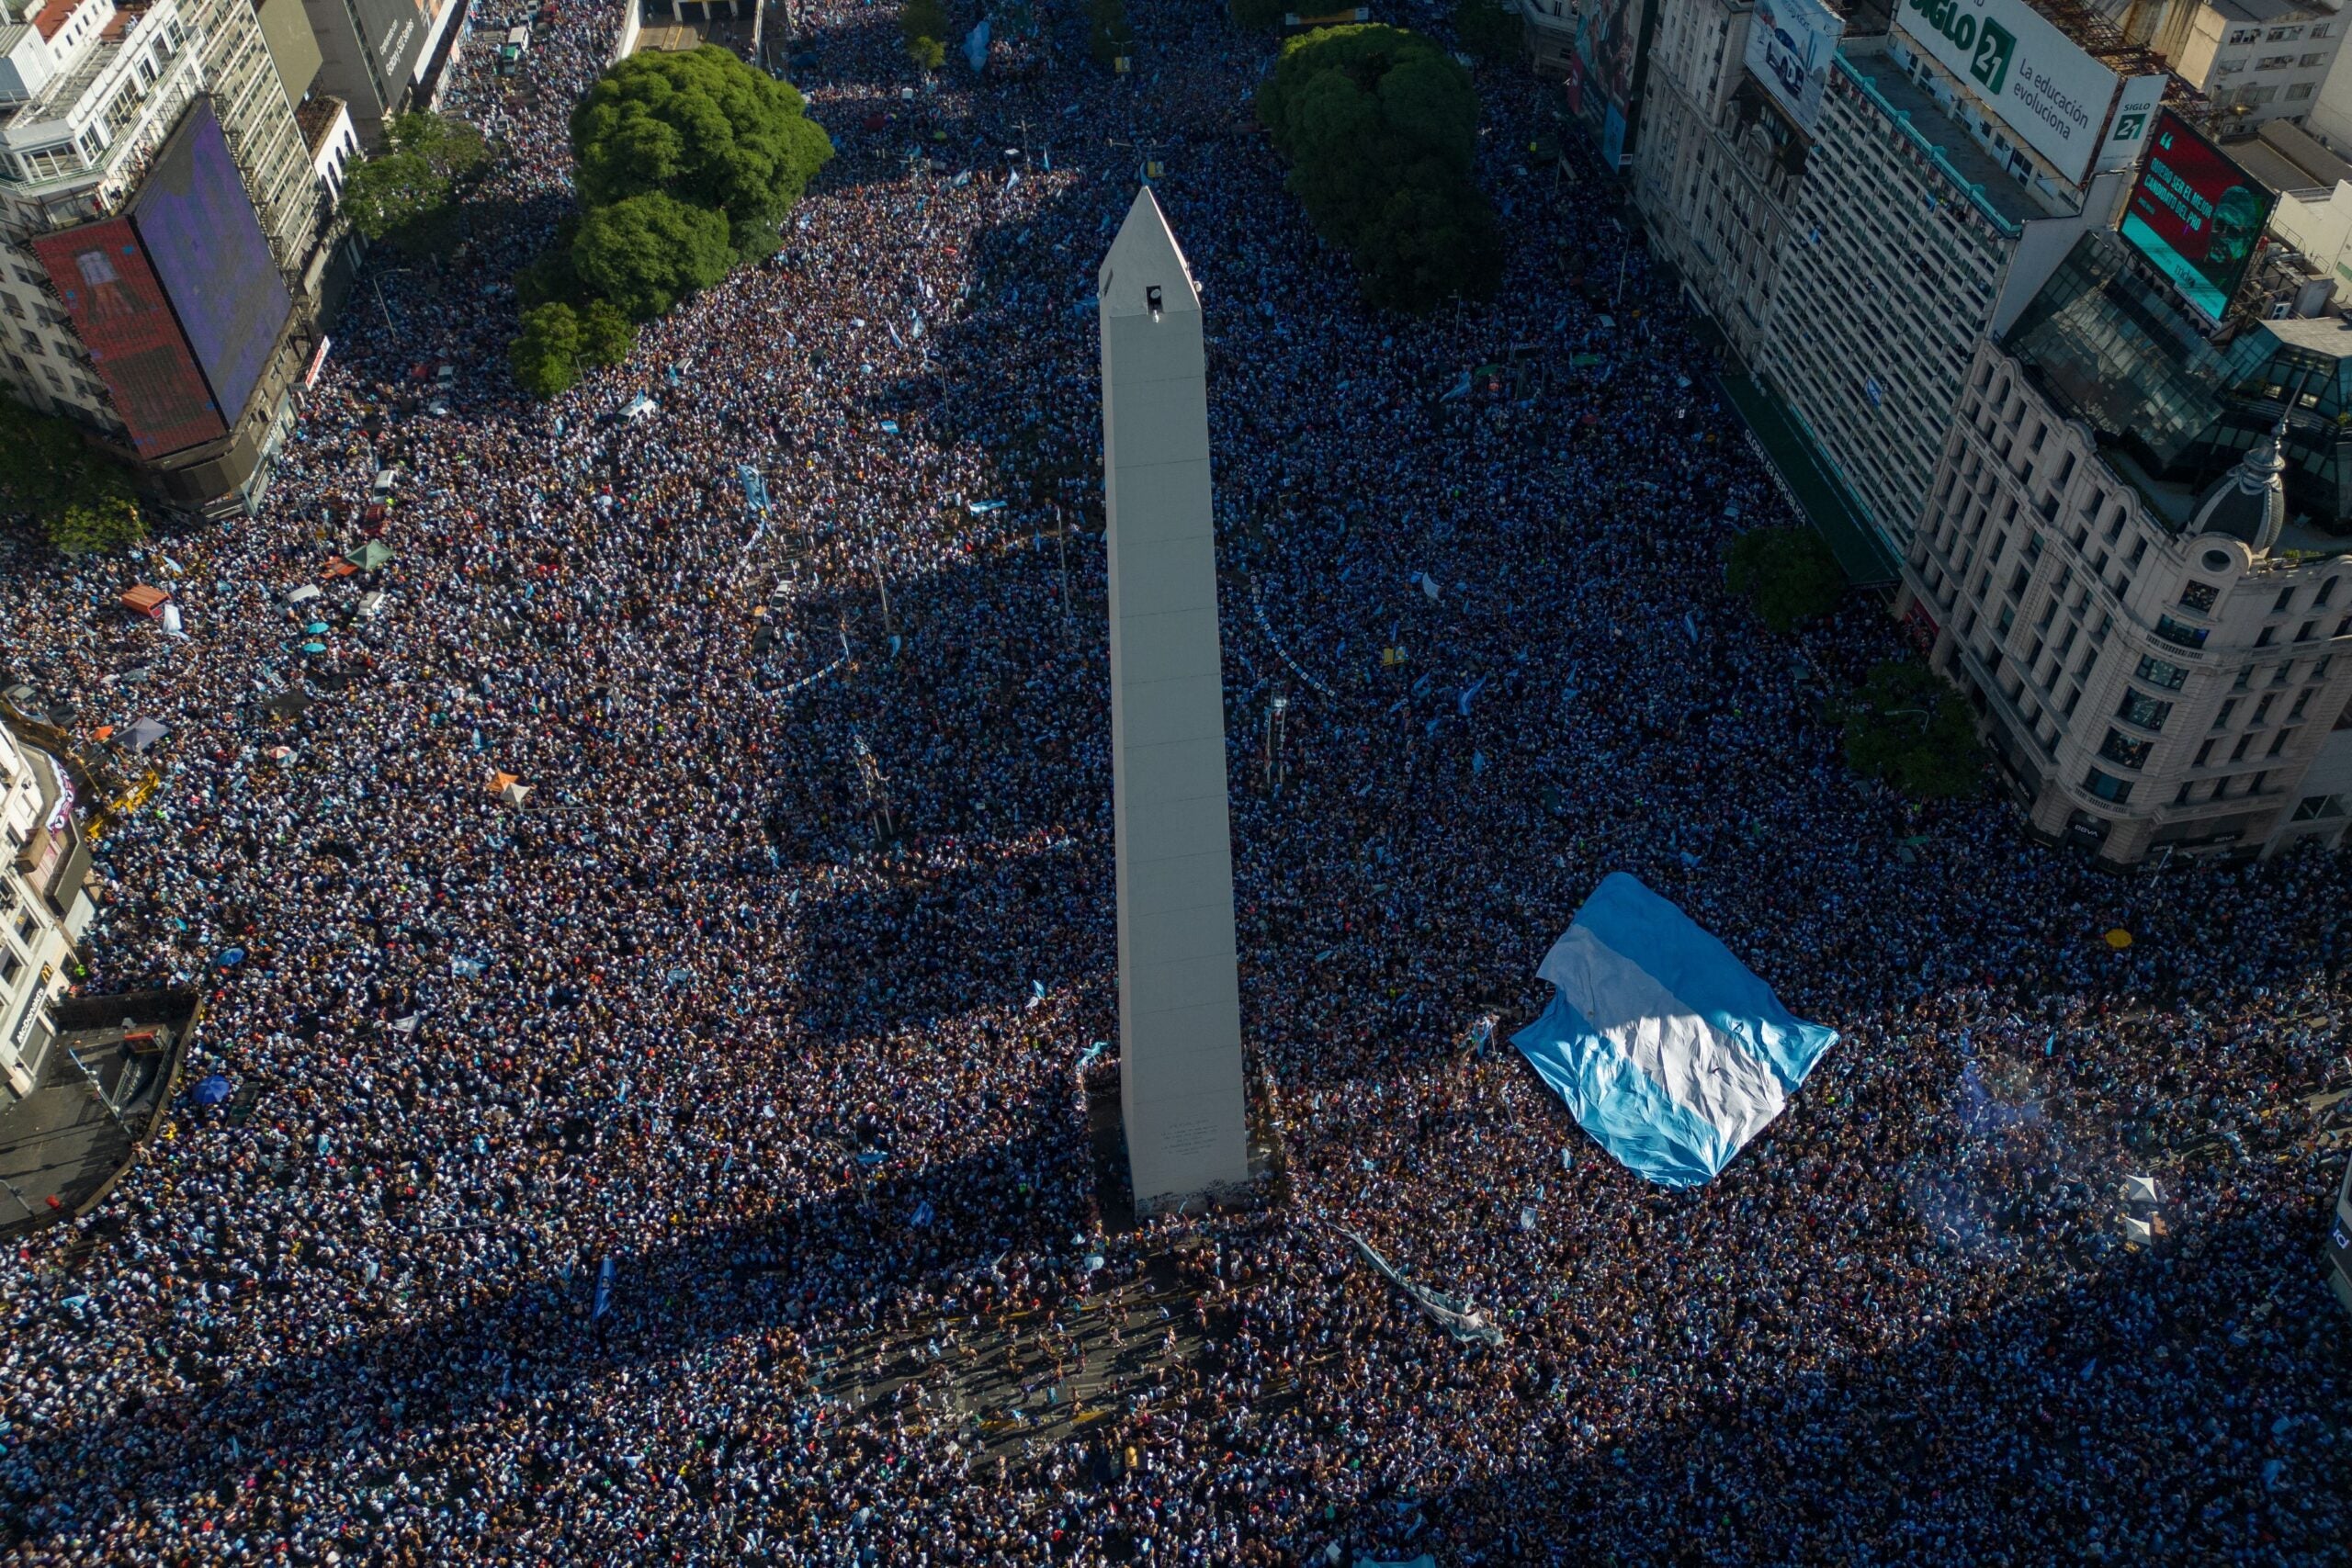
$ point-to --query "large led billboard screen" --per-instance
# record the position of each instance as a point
(197, 224)
(118, 307)
(2195, 214)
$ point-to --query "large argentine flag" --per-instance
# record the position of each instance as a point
(1670, 1050)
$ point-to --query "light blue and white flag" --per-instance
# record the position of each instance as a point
(1668, 1050)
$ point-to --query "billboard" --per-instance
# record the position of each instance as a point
(118, 308)
(1789, 43)
(2047, 92)
(198, 228)
(2135, 111)
(393, 32)
(1605, 73)
(2195, 214)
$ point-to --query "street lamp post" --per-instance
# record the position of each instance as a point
(1276, 718)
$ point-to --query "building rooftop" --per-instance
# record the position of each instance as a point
(53, 17)
(315, 117)
(2286, 157)
(1951, 142)
(2175, 410)
(2271, 10)
(104, 1087)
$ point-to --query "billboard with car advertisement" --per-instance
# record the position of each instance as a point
(1790, 45)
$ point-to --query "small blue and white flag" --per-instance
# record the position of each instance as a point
(1668, 1050)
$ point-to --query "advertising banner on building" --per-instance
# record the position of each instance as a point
(200, 231)
(2127, 133)
(2049, 92)
(118, 307)
(2195, 214)
(394, 32)
(1789, 43)
(1606, 75)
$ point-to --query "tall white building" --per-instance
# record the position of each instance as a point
(45, 905)
(1856, 209)
(255, 95)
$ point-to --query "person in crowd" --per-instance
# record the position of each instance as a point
(649, 1171)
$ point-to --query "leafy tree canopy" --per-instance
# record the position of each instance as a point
(703, 129)
(1906, 727)
(606, 335)
(923, 19)
(406, 194)
(1381, 129)
(1488, 29)
(82, 503)
(545, 356)
(647, 252)
(1789, 574)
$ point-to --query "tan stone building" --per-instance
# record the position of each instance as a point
(2134, 563)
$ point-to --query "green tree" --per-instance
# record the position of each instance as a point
(703, 129)
(1427, 243)
(606, 335)
(545, 356)
(50, 474)
(1381, 129)
(1486, 29)
(1787, 573)
(926, 27)
(1906, 727)
(1113, 35)
(550, 276)
(646, 253)
(406, 194)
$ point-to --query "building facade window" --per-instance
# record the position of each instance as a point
(2317, 808)
(2199, 596)
(2121, 747)
(2108, 788)
(2156, 672)
(2179, 635)
(2147, 711)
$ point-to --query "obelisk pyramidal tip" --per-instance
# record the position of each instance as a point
(1179, 998)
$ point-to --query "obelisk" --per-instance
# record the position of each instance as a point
(1180, 990)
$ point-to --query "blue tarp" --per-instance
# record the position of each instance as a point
(1670, 1051)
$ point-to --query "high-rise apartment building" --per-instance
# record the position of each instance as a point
(254, 98)
(156, 266)
(87, 92)
(375, 52)
(1856, 199)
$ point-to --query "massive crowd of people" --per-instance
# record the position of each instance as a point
(573, 1142)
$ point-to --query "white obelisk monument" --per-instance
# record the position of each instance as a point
(1180, 992)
